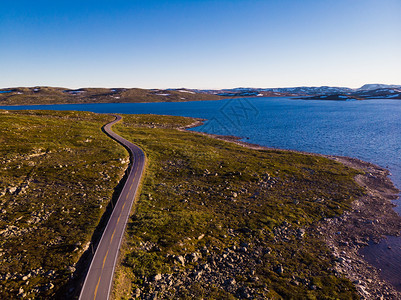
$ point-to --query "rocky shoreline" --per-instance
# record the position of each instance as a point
(371, 218)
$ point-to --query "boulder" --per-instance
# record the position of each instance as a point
(180, 259)
(157, 277)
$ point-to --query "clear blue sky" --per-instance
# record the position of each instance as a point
(199, 43)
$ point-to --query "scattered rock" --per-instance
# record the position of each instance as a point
(12, 190)
(230, 281)
(137, 293)
(181, 259)
(157, 277)
(193, 257)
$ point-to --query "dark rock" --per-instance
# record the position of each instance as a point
(193, 257)
(267, 251)
(243, 293)
(230, 282)
(279, 270)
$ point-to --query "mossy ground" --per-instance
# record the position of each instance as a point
(198, 193)
(58, 173)
(195, 185)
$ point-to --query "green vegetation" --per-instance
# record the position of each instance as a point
(58, 172)
(51, 95)
(214, 219)
(218, 220)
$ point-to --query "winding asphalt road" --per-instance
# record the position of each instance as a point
(99, 279)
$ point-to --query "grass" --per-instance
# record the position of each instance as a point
(62, 171)
(199, 195)
(196, 186)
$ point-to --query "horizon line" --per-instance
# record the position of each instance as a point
(178, 88)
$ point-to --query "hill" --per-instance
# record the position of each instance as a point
(53, 95)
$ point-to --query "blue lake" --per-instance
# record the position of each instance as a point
(368, 130)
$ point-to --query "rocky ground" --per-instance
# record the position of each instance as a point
(371, 218)
(227, 262)
(219, 268)
(58, 172)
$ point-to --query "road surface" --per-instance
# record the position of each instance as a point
(99, 279)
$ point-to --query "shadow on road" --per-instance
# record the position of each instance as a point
(72, 288)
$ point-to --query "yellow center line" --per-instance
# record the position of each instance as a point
(97, 286)
(104, 261)
(108, 127)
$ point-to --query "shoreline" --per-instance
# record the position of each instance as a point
(11, 106)
(371, 218)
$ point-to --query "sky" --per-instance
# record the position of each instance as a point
(201, 44)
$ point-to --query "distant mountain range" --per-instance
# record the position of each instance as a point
(368, 91)
(54, 95)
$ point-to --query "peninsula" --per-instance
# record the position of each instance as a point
(214, 219)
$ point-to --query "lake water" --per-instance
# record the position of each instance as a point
(369, 130)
